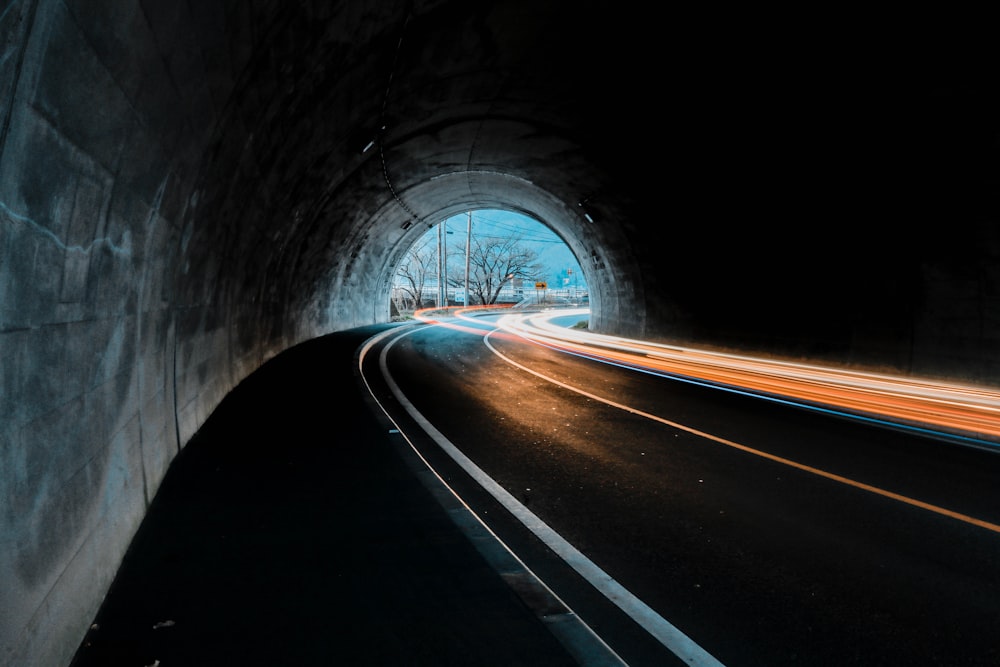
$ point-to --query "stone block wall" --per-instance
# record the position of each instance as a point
(97, 394)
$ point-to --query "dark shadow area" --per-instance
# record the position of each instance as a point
(290, 531)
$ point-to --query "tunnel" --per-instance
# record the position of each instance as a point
(189, 188)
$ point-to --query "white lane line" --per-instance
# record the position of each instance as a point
(577, 637)
(666, 633)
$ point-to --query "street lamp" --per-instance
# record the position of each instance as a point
(442, 295)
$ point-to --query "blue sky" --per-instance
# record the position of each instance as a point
(552, 252)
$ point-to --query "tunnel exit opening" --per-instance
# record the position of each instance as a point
(487, 257)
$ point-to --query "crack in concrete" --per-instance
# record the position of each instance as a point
(124, 249)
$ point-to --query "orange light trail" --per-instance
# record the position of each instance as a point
(967, 413)
(970, 415)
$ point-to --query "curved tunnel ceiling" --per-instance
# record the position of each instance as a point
(728, 174)
(455, 114)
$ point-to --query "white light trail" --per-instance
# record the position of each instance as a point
(967, 414)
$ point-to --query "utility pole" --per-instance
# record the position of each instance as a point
(440, 280)
(444, 262)
(468, 246)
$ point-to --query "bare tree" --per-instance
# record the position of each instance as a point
(492, 263)
(412, 274)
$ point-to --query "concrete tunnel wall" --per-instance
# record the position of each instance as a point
(184, 194)
(157, 248)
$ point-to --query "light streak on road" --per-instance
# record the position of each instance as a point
(962, 413)
(966, 414)
(658, 627)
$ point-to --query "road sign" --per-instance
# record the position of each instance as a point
(541, 285)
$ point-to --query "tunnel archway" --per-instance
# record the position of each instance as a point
(611, 270)
(188, 189)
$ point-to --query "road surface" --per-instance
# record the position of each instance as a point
(686, 524)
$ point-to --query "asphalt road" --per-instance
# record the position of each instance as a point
(294, 530)
(843, 559)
